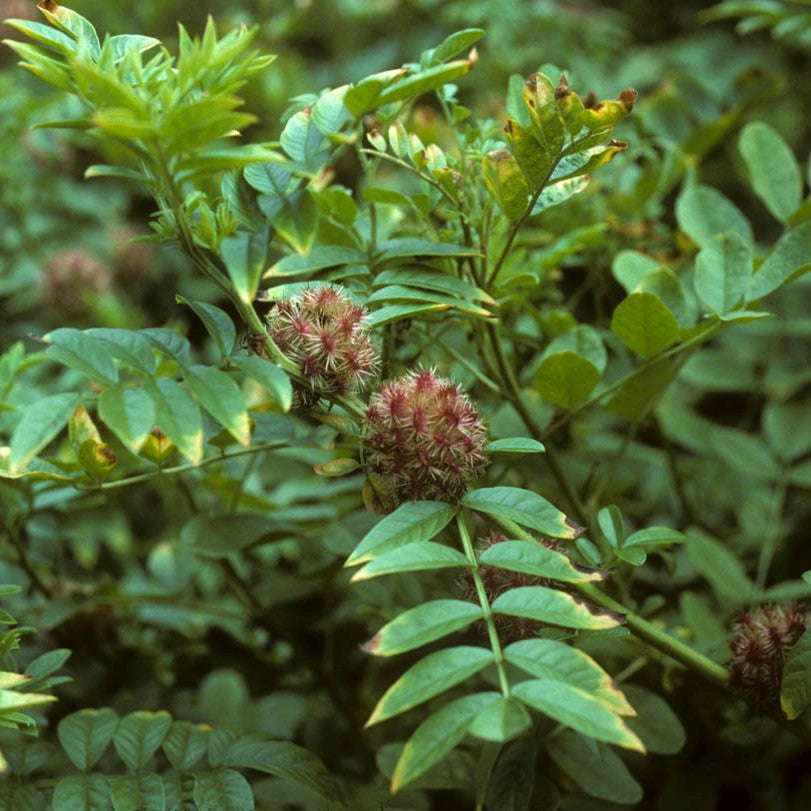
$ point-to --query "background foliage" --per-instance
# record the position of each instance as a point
(182, 629)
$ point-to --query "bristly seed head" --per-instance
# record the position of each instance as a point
(325, 334)
(423, 439)
(760, 640)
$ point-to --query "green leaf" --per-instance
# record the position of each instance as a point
(397, 312)
(773, 169)
(515, 444)
(501, 721)
(40, 423)
(565, 378)
(423, 624)
(421, 82)
(304, 142)
(129, 413)
(720, 566)
(178, 417)
(557, 193)
(330, 115)
(170, 343)
(415, 557)
(594, 767)
(655, 723)
(320, 257)
(362, 97)
(73, 24)
(142, 792)
(551, 606)
(743, 452)
(217, 322)
(788, 260)
(455, 43)
(438, 735)
(644, 324)
(533, 159)
(399, 248)
(222, 790)
(85, 735)
(244, 254)
(399, 293)
(282, 759)
(795, 690)
(139, 736)
(505, 181)
(702, 213)
(129, 347)
(294, 216)
(432, 280)
(436, 673)
(83, 353)
(539, 98)
(185, 744)
(609, 519)
(275, 382)
(535, 559)
(522, 506)
(581, 711)
(723, 271)
(53, 39)
(219, 535)
(82, 792)
(512, 781)
(634, 549)
(411, 522)
(217, 392)
(631, 267)
(549, 659)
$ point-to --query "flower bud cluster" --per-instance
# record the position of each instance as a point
(760, 640)
(324, 333)
(423, 439)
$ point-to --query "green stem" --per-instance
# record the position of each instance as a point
(481, 592)
(641, 628)
(172, 471)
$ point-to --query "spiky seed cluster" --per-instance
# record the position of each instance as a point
(496, 581)
(760, 640)
(423, 439)
(324, 333)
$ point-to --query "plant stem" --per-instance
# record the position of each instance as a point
(655, 636)
(492, 633)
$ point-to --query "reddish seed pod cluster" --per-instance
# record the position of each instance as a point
(760, 640)
(423, 439)
(324, 333)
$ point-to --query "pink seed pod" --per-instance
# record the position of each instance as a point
(325, 334)
(423, 439)
(760, 640)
